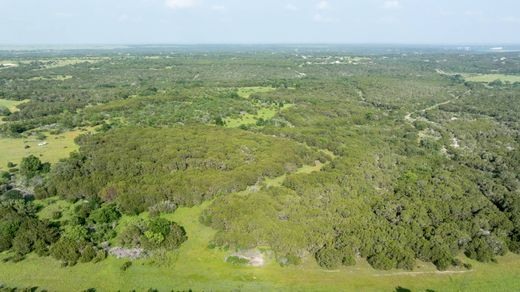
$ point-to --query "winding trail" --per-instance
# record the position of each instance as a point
(408, 116)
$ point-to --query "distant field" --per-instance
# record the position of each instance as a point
(11, 104)
(54, 78)
(485, 78)
(62, 62)
(266, 113)
(59, 146)
(246, 92)
(491, 77)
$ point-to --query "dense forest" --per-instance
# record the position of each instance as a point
(323, 155)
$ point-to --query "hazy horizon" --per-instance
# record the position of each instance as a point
(214, 22)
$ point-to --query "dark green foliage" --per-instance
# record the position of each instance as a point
(67, 250)
(106, 214)
(238, 261)
(381, 262)
(329, 258)
(32, 166)
(21, 231)
(153, 234)
(185, 166)
(126, 266)
(479, 249)
(4, 111)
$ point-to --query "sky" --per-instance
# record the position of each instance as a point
(24, 22)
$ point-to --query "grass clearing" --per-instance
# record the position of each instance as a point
(51, 78)
(62, 62)
(11, 104)
(484, 78)
(265, 113)
(246, 92)
(57, 147)
(487, 78)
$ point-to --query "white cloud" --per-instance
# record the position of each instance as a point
(511, 19)
(291, 7)
(391, 4)
(180, 4)
(323, 5)
(122, 18)
(322, 19)
(219, 8)
(473, 13)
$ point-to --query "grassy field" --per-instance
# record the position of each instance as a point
(198, 267)
(11, 104)
(491, 77)
(59, 146)
(265, 113)
(52, 78)
(246, 92)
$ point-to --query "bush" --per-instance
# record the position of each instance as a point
(126, 266)
(329, 258)
(381, 262)
(238, 261)
(478, 249)
(88, 253)
(100, 255)
(289, 259)
(56, 215)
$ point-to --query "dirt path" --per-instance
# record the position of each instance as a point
(422, 273)
(408, 116)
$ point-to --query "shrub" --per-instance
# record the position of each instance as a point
(329, 258)
(381, 262)
(238, 261)
(126, 266)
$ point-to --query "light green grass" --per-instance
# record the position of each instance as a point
(265, 113)
(484, 78)
(58, 147)
(11, 104)
(62, 62)
(246, 92)
(50, 205)
(491, 77)
(52, 78)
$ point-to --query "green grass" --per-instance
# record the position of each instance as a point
(53, 78)
(491, 77)
(265, 113)
(58, 147)
(11, 104)
(246, 92)
(197, 267)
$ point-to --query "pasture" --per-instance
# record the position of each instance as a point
(57, 147)
(487, 78)
(11, 104)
